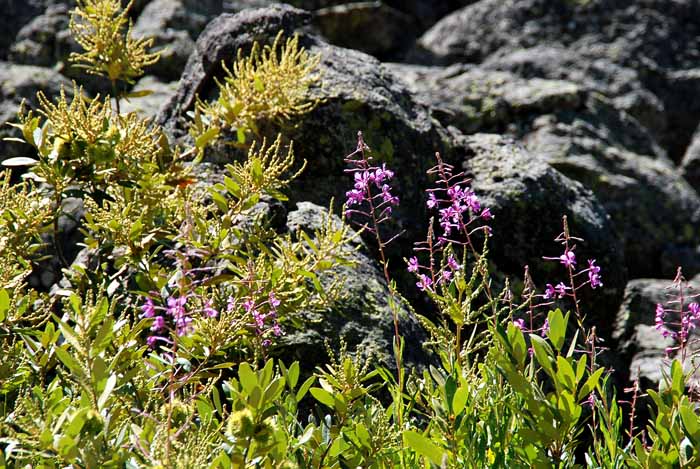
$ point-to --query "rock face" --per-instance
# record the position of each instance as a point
(15, 15)
(363, 320)
(174, 25)
(656, 39)
(528, 199)
(585, 136)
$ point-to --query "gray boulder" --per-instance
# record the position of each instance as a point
(357, 26)
(528, 199)
(174, 25)
(651, 205)
(16, 14)
(39, 42)
(656, 39)
(363, 319)
(585, 136)
(620, 84)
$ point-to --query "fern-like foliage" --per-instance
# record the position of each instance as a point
(270, 85)
(103, 30)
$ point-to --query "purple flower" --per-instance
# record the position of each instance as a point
(277, 330)
(594, 274)
(355, 197)
(568, 258)
(382, 173)
(259, 319)
(473, 202)
(424, 283)
(362, 178)
(231, 304)
(545, 328)
(452, 263)
(519, 323)
(413, 264)
(176, 306)
(432, 200)
(209, 310)
(486, 214)
(659, 320)
(274, 302)
(694, 310)
(158, 324)
(387, 197)
(561, 289)
(149, 309)
(151, 340)
(446, 276)
(549, 292)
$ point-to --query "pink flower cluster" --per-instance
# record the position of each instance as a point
(264, 317)
(180, 318)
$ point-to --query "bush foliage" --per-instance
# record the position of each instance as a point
(159, 348)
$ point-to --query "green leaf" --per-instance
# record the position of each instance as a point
(70, 362)
(304, 388)
(690, 423)
(240, 135)
(109, 387)
(323, 396)
(363, 435)
(247, 377)
(557, 328)
(138, 94)
(423, 446)
(543, 353)
(590, 384)
(565, 374)
(460, 400)
(203, 140)
(4, 304)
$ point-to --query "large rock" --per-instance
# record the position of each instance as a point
(656, 39)
(528, 199)
(174, 25)
(18, 82)
(363, 319)
(357, 93)
(16, 14)
(354, 25)
(651, 205)
(587, 137)
(644, 35)
(44, 40)
(620, 84)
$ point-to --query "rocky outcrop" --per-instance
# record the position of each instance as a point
(655, 39)
(585, 136)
